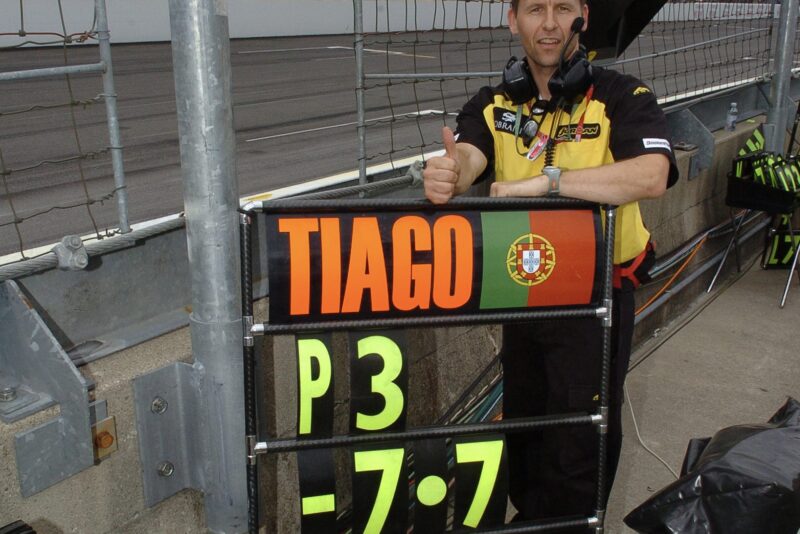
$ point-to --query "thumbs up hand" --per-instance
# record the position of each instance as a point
(442, 173)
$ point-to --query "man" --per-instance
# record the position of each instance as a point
(607, 143)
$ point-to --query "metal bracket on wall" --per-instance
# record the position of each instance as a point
(169, 429)
(685, 127)
(36, 374)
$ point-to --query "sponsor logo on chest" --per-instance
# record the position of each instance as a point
(504, 120)
(568, 132)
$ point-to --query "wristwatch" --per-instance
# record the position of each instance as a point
(553, 175)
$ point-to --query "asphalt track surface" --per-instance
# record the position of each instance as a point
(294, 112)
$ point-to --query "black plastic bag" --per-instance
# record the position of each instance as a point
(744, 480)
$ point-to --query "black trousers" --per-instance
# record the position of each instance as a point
(554, 367)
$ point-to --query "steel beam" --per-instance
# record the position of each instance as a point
(783, 61)
(201, 59)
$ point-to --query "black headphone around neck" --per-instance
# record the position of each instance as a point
(572, 78)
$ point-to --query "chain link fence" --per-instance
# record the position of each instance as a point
(419, 62)
(696, 48)
(422, 60)
(81, 137)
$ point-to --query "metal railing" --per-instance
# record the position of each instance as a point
(12, 186)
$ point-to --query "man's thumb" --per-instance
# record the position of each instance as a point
(449, 143)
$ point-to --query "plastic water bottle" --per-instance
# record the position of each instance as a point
(730, 120)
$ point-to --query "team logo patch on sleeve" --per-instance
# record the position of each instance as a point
(641, 90)
(652, 142)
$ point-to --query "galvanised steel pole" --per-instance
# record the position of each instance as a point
(201, 59)
(358, 45)
(783, 61)
(110, 96)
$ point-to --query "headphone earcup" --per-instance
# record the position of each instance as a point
(572, 79)
(518, 82)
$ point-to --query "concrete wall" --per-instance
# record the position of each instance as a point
(108, 497)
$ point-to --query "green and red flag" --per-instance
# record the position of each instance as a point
(539, 258)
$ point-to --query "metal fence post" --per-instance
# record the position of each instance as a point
(358, 45)
(201, 58)
(110, 96)
(783, 58)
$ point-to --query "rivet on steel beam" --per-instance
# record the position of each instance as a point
(158, 405)
(166, 469)
(8, 394)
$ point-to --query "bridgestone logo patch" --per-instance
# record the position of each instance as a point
(650, 142)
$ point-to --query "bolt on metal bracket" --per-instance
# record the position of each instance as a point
(8, 394)
(41, 374)
(71, 254)
(167, 420)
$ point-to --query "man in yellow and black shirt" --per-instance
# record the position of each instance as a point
(607, 143)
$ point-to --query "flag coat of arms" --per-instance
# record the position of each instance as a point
(540, 258)
(529, 259)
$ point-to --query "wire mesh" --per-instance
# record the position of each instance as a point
(425, 39)
(694, 48)
(688, 49)
(58, 140)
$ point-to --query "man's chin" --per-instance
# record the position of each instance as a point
(545, 63)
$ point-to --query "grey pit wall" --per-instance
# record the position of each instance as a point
(121, 299)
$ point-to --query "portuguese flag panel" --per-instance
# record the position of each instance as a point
(538, 258)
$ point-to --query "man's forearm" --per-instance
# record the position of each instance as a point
(618, 183)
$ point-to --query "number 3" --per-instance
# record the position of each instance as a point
(383, 383)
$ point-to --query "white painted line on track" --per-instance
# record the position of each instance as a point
(336, 179)
(423, 113)
(392, 53)
(277, 50)
(305, 49)
(706, 90)
(282, 192)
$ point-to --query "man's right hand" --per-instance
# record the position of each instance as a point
(441, 173)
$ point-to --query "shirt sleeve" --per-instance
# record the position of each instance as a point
(473, 129)
(638, 125)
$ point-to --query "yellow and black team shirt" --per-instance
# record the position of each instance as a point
(617, 119)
